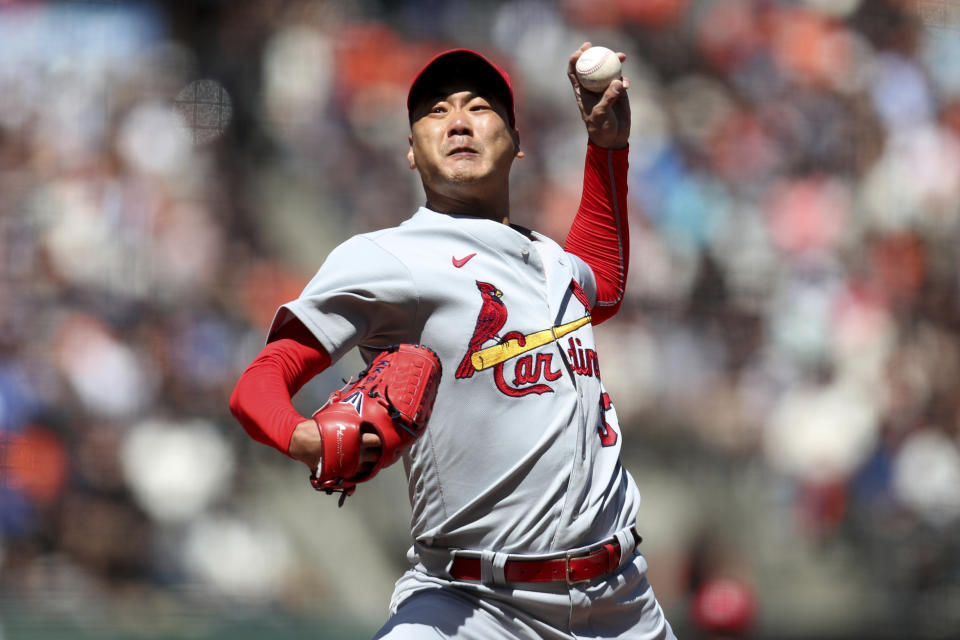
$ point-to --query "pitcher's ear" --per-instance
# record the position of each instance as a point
(516, 144)
(410, 158)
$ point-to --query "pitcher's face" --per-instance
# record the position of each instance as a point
(461, 141)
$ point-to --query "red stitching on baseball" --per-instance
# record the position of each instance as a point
(594, 67)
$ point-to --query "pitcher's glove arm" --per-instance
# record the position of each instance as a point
(392, 398)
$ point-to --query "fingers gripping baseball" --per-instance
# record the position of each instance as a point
(370, 423)
(606, 114)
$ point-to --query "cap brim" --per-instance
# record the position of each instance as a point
(462, 65)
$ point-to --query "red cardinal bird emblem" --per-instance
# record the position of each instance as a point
(492, 317)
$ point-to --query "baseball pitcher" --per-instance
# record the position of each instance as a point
(483, 377)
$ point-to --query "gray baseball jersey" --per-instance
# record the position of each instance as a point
(522, 453)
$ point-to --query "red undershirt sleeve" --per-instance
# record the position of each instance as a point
(599, 234)
(261, 399)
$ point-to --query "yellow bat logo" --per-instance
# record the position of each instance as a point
(492, 356)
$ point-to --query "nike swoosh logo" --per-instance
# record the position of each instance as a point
(459, 262)
(492, 356)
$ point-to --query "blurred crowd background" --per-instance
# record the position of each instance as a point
(785, 366)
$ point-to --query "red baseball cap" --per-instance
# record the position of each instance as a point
(467, 64)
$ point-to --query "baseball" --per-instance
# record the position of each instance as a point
(596, 68)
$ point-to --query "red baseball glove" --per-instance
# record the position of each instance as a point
(393, 398)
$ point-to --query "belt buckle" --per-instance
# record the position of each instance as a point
(567, 570)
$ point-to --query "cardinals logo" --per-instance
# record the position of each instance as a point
(530, 369)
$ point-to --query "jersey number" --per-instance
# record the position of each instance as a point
(608, 436)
